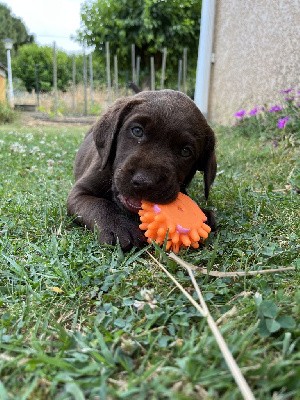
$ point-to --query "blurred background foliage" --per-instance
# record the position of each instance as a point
(13, 28)
(150, 25)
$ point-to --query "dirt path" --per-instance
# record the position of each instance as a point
(37, 118)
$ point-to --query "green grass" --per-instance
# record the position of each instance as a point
(7, 115)
(91, 341)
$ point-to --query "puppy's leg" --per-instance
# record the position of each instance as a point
(107, 218)
(211, 219)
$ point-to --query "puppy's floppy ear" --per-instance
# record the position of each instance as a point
(106, 129)
(210, 171)
(208, 163)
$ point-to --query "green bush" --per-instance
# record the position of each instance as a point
(33, 60)
(276, 122)
(7, 115)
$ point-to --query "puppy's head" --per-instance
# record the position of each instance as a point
(154, 142)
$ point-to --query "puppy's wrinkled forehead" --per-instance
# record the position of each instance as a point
(169, 105)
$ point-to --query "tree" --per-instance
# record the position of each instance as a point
(34, 62)
(13, 28)
(149, 24)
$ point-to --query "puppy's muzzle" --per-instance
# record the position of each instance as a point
(156, 184)
(142, 180)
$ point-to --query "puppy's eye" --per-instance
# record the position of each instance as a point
(186, 152)
(137, 131)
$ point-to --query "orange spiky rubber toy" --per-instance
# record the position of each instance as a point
(182, 220)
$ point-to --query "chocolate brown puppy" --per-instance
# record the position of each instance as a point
(145, 147)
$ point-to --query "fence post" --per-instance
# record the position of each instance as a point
(91, 79)
(152, 81)
(108, 76)
(37, 86)
(73, 82)
(179, 75)
(133, 62)
(184, 72)
(84, 81)
(138, 67)
(116, 80)
(55, 78)
(127, 81)
(163, 68)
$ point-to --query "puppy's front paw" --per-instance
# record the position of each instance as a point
(211, 219)
(123, 230)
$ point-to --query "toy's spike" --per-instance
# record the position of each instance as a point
(147, 217)
(175, 247)
(160, 239)
(162, 231)
(147, 207)
(203, 233)
(149, 233)
(143, 226)
(194, 235)
(206, 228)
(175, 237)
(181, 229)
(169, 245)
(172, 228)
(154, 225)
(159, 218)
(156, 209)
(185, 240)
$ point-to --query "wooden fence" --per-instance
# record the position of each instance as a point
(85, 98)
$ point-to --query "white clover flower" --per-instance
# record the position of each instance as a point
(147, 294)
(35, 150)
(18, 148)
(139, 305)
(148, 298)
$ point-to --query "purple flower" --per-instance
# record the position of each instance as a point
(275, 108)
(240, 114)
(286, 91)
(282, 122)
(254, 111)
(289, 99)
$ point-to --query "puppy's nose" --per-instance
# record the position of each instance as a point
(142, 180)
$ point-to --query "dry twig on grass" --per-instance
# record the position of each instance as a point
(234, 274)
(203, 309)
